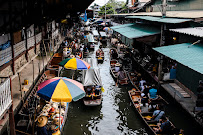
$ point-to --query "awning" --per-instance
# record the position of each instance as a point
(103, 34)
(191, 57)
(160, 19)
(196, 31)
(95, 33)
(92, 77)
(90, 38)
(136, 31)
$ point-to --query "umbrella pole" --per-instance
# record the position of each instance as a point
(73, 74)
(60, 118)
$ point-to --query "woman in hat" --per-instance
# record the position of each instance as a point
(41, 126)
(117, 67)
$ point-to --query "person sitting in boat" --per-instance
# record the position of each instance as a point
(153, 93)
(121, 75)
(89, 90)
(42, 126)
(98, 52)
(97, 89)
(117, 67)
(146, 89)
(164, 127)
(143, 87)
(141, 83)
(93, 93)
(157, 114)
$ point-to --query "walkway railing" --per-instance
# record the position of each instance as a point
(5, 97)
(6, 55)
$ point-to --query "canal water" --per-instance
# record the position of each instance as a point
(116, 115)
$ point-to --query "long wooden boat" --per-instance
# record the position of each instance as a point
(100, 55)
(54, 62)
(115, 74)
(93, 87)
(143, 111)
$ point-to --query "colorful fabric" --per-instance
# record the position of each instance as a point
(74, 63)
(61, 89)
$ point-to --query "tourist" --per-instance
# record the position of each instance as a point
(142, 81)
(157, 114)
(165, 127)
(89, 90)
(153, 92)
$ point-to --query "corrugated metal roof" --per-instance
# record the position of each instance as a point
(160, 19)
(121, 26)
(135, 30)
(191, 57)
(197, 31)
(174, 14)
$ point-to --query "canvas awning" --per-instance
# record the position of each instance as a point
(95, 33)
(188, 56)
(135, 30)
(92, 77)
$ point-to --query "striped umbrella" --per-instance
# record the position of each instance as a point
(61, 89)
(74, 63)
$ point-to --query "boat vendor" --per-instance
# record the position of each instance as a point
(117, 67)
(42, 126)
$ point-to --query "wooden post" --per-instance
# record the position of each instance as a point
(35, 40)
(33, 72)
(11, 35)
(164, 4)
(11, 114)
(45, 49)
(21, 94)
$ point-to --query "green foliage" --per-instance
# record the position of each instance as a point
(111, 7)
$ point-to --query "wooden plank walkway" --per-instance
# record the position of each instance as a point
(180, 90)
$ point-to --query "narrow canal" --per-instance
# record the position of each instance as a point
(116, 115)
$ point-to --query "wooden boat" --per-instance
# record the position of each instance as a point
(50, 74)
(92, 99)
(132, 78)
(143, 111)
(93, 87)
(113, 56)
(53, 64)
(112, 66)
(115, 74)
(100, 55)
